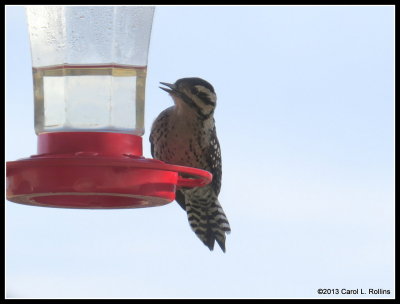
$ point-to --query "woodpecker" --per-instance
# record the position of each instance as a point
(184, 134)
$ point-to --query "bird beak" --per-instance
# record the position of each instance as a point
(169, 85)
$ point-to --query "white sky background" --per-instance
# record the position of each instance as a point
(305, 119)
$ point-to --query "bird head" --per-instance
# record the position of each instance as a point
(193, 94)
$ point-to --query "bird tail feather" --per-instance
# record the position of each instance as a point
(206, 217)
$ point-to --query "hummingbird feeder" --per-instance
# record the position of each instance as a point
(89, 74)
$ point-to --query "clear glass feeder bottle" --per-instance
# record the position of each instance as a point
(89, 67)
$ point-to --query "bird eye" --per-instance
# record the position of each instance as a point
(194, 91)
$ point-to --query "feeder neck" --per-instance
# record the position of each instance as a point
(101, 143)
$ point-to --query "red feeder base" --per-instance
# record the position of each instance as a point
(96, 170)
